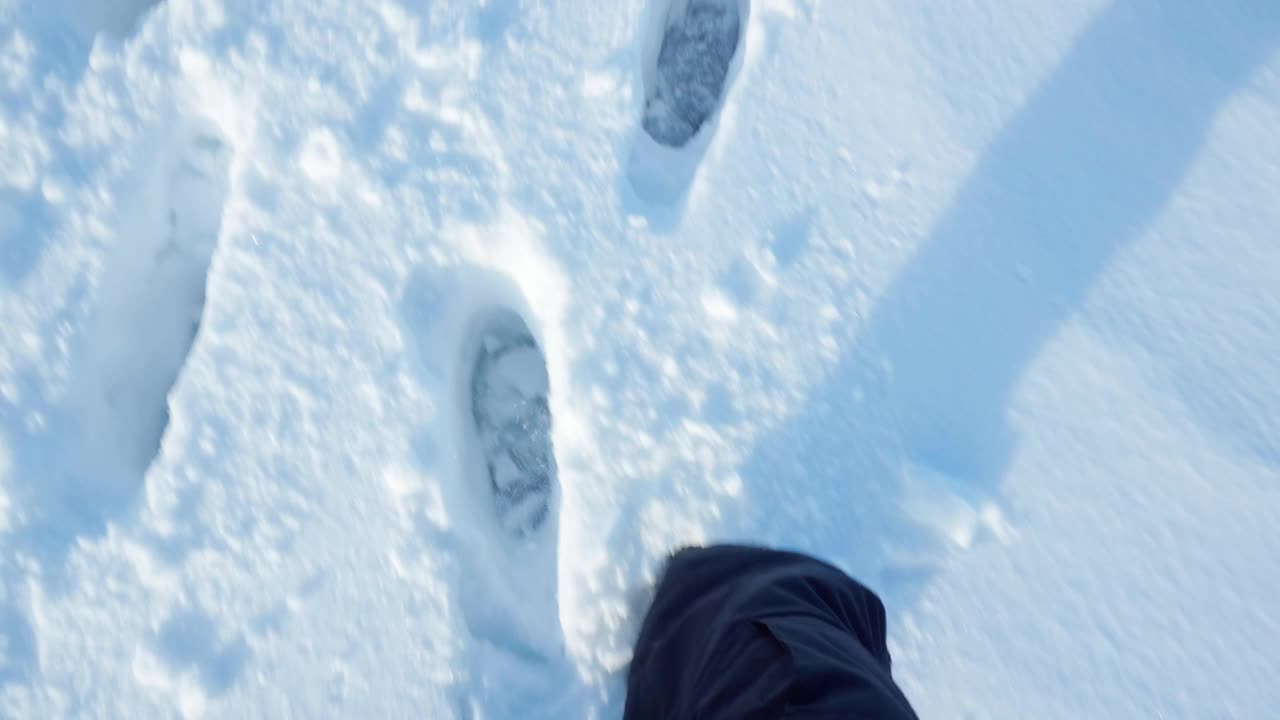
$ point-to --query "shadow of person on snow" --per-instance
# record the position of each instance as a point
(1082, 168)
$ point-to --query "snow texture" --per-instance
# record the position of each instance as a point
(366, 359)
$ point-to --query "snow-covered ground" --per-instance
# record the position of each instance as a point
(979, 301)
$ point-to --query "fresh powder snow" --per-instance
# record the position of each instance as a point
(366, 359)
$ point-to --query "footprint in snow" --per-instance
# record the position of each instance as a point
(478, 348)
(694, 47)
(509, 387)
(151, 298)
(692, 69)
(497, 376)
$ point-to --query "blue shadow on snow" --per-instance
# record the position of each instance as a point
(1084, 166)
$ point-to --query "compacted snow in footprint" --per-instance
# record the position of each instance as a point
(692, 68)
(509, 387)
(367, 359)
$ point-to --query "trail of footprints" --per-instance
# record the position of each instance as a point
(508, 383)
(152, 296)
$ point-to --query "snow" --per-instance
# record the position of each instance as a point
(978, 302)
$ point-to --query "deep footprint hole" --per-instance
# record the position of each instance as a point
(687, 83)
(511, 417)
